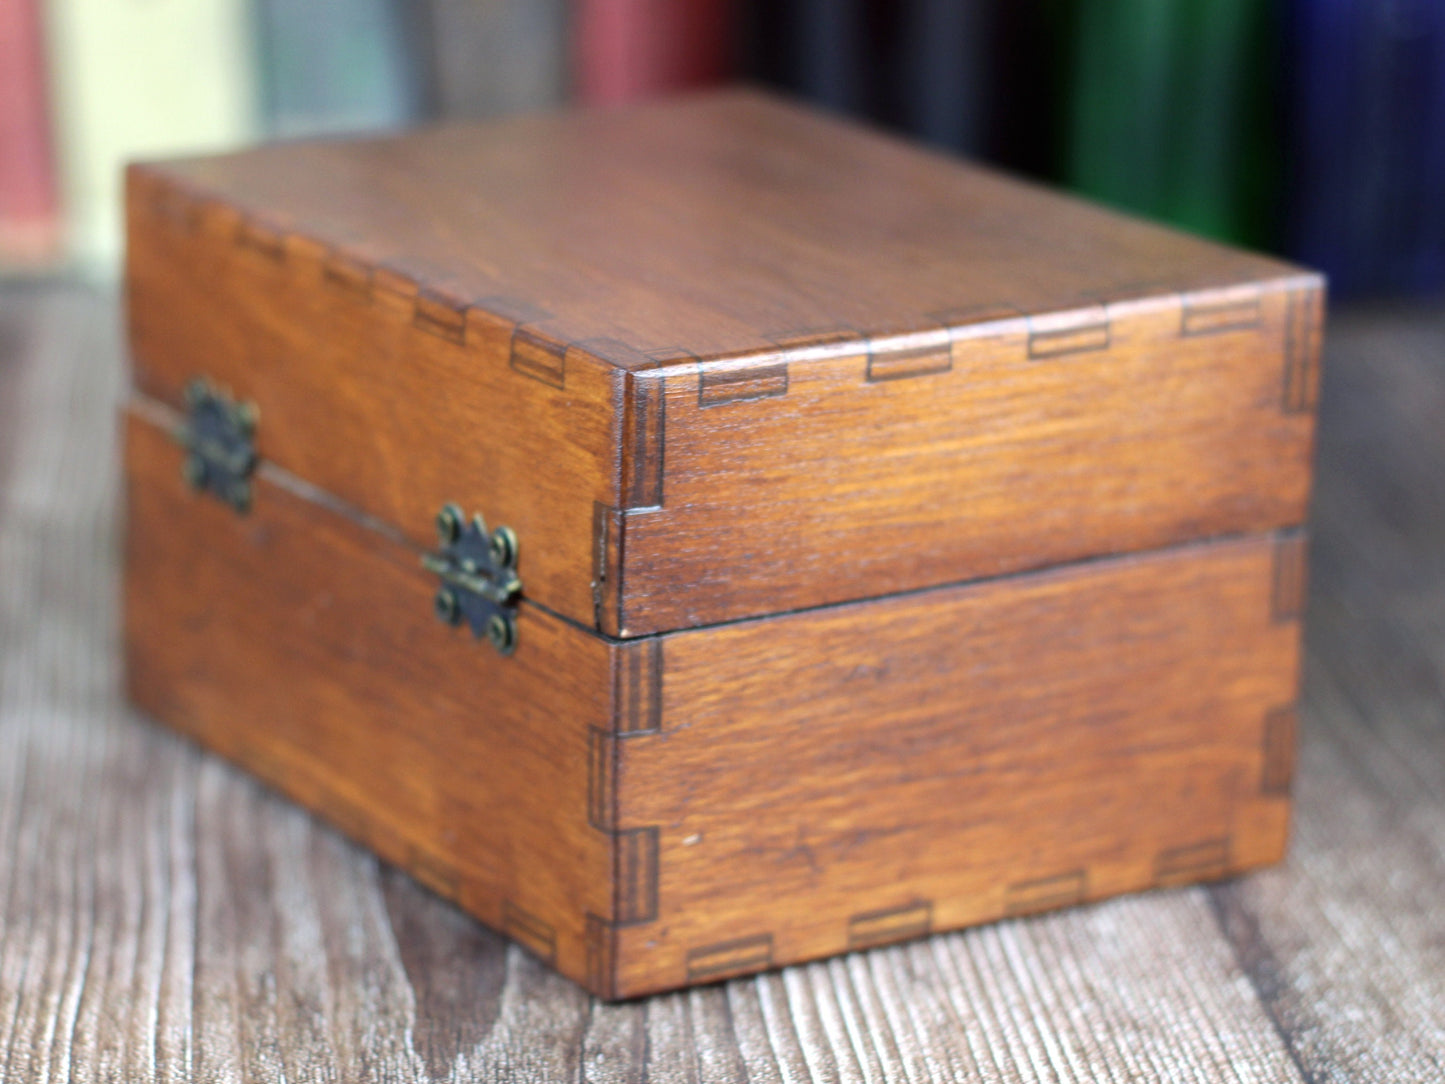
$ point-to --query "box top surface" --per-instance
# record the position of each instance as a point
(716, 225)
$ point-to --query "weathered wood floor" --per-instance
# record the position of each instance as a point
(162, 917)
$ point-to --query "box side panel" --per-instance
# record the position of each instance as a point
(843, 778)
(304, 647)
(392, 396)
(854, 465)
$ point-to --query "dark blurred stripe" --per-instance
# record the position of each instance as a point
(832, 59)
(1367, 177)
(947, 71)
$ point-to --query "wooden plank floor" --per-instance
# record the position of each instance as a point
(163, 917)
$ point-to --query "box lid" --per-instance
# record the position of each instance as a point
(724, 357)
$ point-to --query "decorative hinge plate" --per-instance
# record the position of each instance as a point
(220, 439)
(478, 570)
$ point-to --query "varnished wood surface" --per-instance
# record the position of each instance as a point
(164, 917)
(857, 775)
(646, 815)
(305, 647)
(729, 344)
(990, 454)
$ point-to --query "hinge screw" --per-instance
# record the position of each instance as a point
(449, 524)
(504, 547)
(247, 414)
(502, 633)
(448, 606)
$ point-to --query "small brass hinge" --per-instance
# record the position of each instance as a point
(478, 570)
(220, 439)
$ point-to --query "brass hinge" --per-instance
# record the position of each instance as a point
(478, 570)
(220, 439)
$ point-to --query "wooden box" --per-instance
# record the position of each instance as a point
(893, 545)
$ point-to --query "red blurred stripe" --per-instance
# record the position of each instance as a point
(631, 49)
(28, 197)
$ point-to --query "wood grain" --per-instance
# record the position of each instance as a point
(676, 810)
(366, 390)
(304, 647)
(869, 773)
(1029, 449)
(164, 917)
(724, 357)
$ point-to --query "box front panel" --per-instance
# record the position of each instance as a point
(304, 646)
(848, 777)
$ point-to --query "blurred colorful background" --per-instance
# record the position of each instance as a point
(1312, 128)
